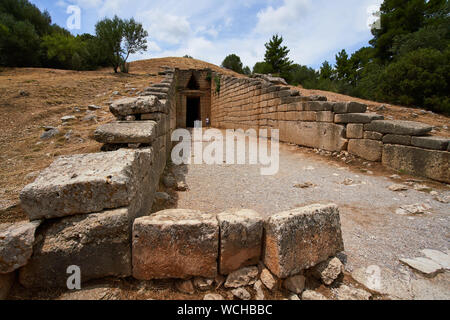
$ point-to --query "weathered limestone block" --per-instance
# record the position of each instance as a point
(349, 107)
(355, 131)
(86, 183)
(400, 127)
(127, 132)
(240, 239)
(153, 93)
(434, 143)
(357, 118)
(139, 105)
(427, 163)
(100, 244)
(301, 238)
(329, 270)
(6, 283)
(175, 244)
(318, 106)
(367, 149)
(397, 139)
(16, 244)
(325, 116)
(323, 135)
(372, 135)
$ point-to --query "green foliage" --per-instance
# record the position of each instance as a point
(262, 68)
(188, 56)
(217, 82)
(276, 56)
(247, 71)
(302, 75)
(233, 62)
(420, 78)
(326, 71)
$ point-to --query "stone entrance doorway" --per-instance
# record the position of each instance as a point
(193, 112)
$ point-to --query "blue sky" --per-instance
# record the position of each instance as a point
(314, 30)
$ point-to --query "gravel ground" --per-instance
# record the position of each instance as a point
(373, 233)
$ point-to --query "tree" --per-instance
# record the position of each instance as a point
(233, 62)
(342, 66)
(301, 75)
(326, 71)
(276, 56)
(247, 71)
(120, 38)
(262, 68)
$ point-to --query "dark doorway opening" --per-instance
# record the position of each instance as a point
(193, 84)
(192, 111)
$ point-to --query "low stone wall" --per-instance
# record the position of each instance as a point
(312, 121)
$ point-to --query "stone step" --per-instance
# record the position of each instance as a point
(158, 89)
(357, 118)
(87, 183)
(159, 95)
(399, 127)
(130, 106)
(127, 132)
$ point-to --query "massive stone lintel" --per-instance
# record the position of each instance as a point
(127, 132)
(130, 106)
(240, 239)
(399, 127)
(175, 244)
(427, 163)
(323, 135)
(97, 243)
(301, 238)
(87, 183)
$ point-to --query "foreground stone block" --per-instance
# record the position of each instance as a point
(100, 244)
(6, 283)
(301, 238)
(241, 234)
(86, 183)
(322, 135)
(175, 244)
(432, 164)
(410, 128)
(356, 117)
(367, 149)
(16, 244)
(434, 143)
(127, 132)
(129, 106)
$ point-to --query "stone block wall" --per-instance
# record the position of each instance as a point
(312, 121)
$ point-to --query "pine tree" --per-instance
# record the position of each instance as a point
(277, 56)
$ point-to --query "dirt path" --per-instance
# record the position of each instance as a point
(373, 233)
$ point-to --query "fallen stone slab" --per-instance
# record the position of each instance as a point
(439, 257)
(357, 118)
(349, 107)
(130, 106)
(367, 149)
(16, 244)
(417, 208)
(242, 277)
(397, 139)
(86, 183)
(422, 162)
(175, 244)
(399, 127)
(301, 238)
(434, 143)
(127, 132)
(425, 266)
(241, 234)
(295, 284)
(99, 244)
